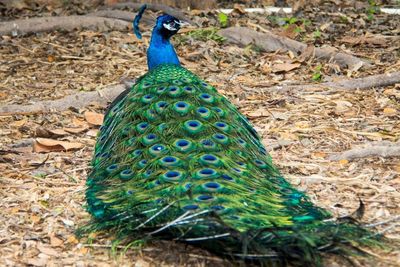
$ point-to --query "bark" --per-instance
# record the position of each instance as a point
(384, 150)
(67, 23)
(271, 42)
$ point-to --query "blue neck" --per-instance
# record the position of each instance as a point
(160, 51)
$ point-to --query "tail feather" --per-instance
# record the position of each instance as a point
(175, 160)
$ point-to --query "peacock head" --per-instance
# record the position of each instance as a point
(167, 25)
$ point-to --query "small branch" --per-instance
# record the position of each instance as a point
(384, 149)
(271, 42)
(68, 23)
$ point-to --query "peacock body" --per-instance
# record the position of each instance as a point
(176, 160)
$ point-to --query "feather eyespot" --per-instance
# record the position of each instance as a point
(203, 112)
(157, 149)
(206, 173)
(206, 98)
(126, 174)
(147, 98)
(172, 176)
(137, 153)
(209, 159)
(211, 186)
(193, 126)
(261, 164)
(188, 89)
(217, 207)
(221, 138)
(219, 111)
(190, 207)
(112, 168)
(222, 126)
(227, 177)
(161, 90)
(142, 163)
(183, 145)
(182, 107)
(205, 198)
(141, 127)
(174, 91)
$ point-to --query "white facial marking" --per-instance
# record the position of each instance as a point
(169, 27)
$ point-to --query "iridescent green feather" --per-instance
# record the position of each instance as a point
(175, 159)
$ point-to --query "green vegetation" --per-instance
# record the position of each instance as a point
(223, 20)
(201, 35)
(317, 75)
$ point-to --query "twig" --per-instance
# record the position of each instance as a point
(384, 150)
(395, 218)
(271, 42)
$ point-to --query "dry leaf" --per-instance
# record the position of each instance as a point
(320, 155)
(75, 130)
(72, 239)
(238, 8)
(55, 241)
(35, 218)
(285, 67)
(50, 58)
(78, 123)
(19, 123)
(59, 132)
(94, 118)
(288, 136)
(342, 106)
(47, 250)
(49, 145)
(343, 161)
(389, 111)
(92, 133)
(3, 95)
(266, 69)
(83, 250)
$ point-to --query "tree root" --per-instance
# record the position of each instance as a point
(67, 23)
(103, 20)
(80, 100)
(271, 43)
(374, 81)
(382, 149)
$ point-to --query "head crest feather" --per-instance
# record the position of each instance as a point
(136, 21)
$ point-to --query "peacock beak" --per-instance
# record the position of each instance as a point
(183, 24)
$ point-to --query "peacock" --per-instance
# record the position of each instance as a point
(175, 160)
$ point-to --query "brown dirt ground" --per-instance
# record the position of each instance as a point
(43, 193)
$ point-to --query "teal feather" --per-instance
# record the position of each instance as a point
(176, 160)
